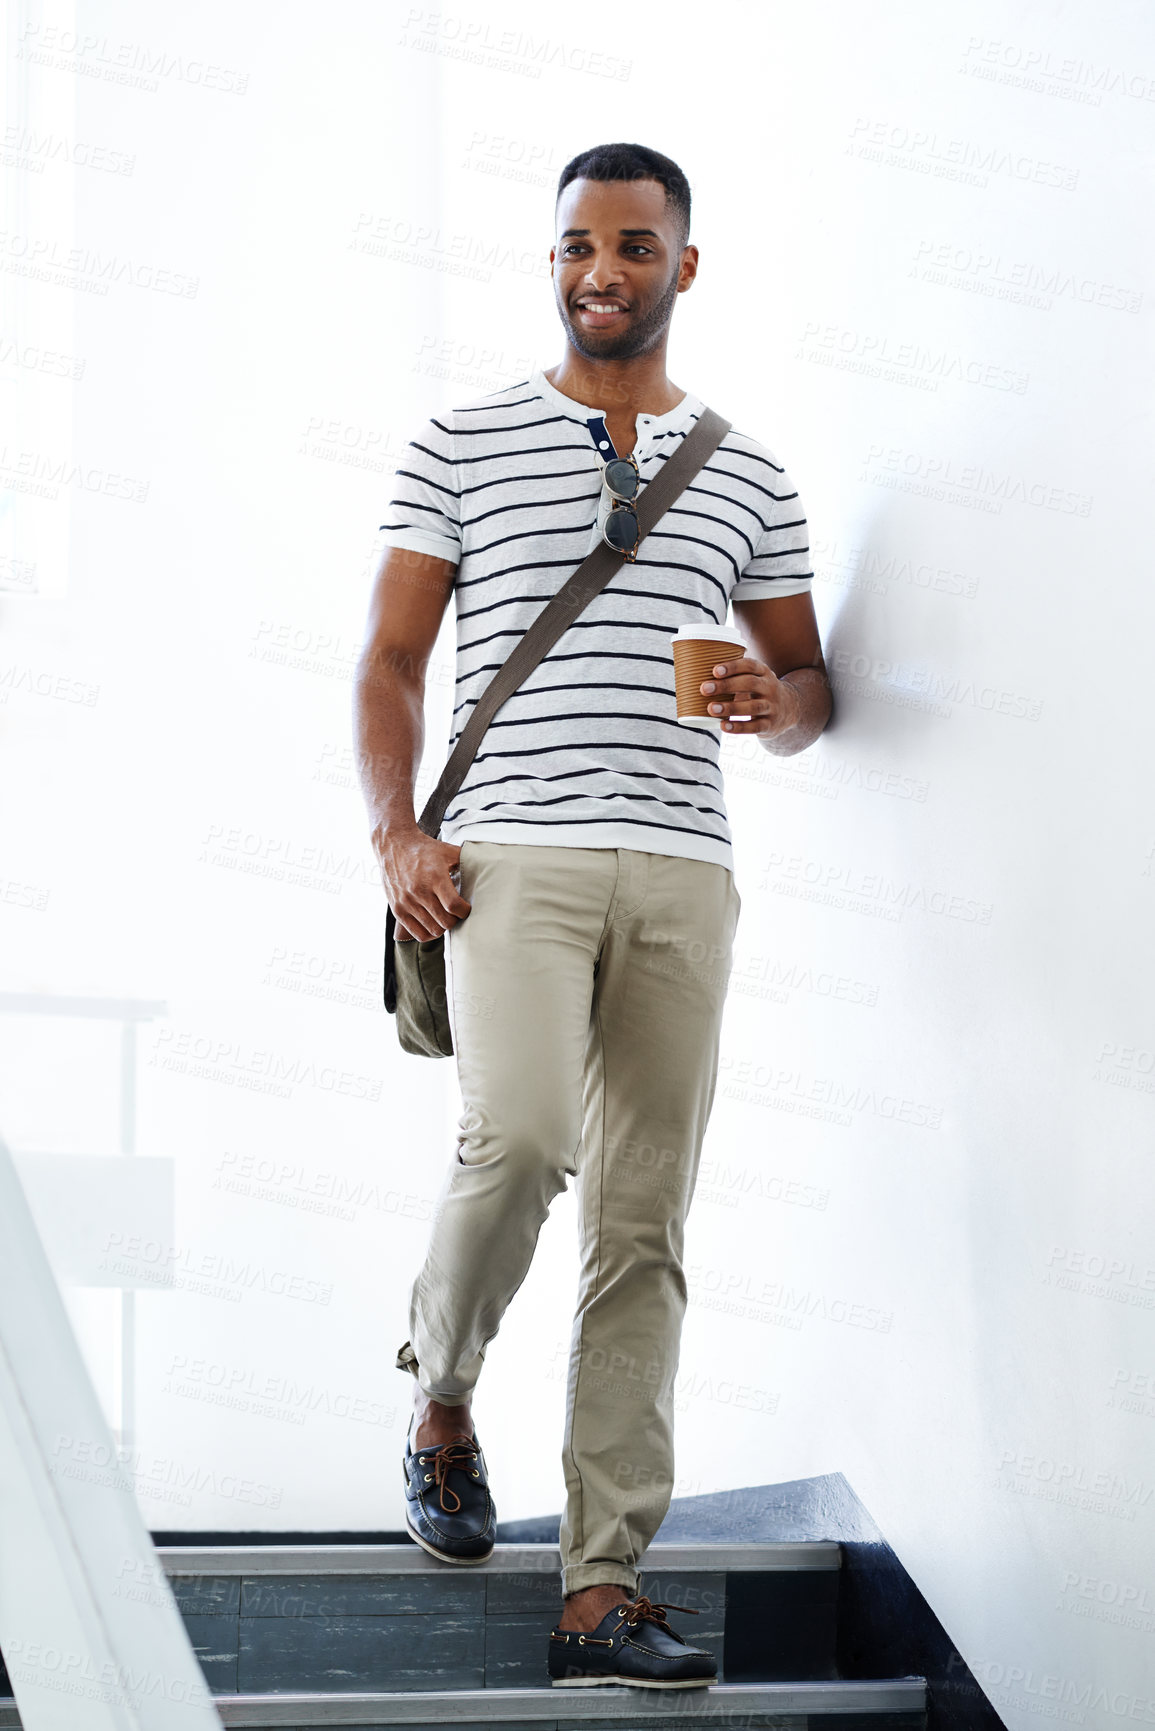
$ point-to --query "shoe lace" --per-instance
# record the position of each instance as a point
(644, 1610)
(458, 1452)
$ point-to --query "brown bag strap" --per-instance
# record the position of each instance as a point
(558, 615)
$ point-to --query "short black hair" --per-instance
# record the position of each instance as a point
(633, 162)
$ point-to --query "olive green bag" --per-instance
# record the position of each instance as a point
(415, 984)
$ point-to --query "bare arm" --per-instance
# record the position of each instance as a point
(782, 685)
(405, 613)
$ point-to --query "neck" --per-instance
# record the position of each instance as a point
(623, 387)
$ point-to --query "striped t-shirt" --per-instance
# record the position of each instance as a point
(588, 752)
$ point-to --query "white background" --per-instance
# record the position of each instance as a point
(921, 1250)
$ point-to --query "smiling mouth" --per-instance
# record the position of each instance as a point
(601, 312)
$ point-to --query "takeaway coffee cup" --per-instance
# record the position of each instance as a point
(697, 650)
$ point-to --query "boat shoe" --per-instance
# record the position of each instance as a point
(448, 1508)
(633, 1643)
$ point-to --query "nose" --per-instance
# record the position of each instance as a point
(600, 273)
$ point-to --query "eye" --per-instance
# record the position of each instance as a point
(634, 246)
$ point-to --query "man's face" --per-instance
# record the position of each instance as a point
(598, 262)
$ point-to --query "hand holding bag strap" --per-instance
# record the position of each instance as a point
(555, 618)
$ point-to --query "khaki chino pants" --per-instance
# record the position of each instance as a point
(586, 994)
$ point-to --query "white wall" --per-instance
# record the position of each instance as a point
(918, 1254)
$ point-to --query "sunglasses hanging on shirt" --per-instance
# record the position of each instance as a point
(621, 480)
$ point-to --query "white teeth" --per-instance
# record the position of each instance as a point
(591, 307)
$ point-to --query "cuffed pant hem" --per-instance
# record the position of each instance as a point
(407, 1360)
(575, 1576)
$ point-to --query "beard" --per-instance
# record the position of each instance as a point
(642, 332)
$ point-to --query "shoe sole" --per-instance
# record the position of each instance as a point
(636, 1682)
(444, 1556)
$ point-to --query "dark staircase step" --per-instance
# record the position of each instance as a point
(349, 1619)
(374, 1636)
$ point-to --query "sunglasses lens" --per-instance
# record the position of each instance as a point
(621, 530)
(621, 478)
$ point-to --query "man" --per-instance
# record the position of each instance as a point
(593, 847)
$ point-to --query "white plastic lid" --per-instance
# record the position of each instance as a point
(710, 633)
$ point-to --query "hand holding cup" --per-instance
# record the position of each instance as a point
(718, 685)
